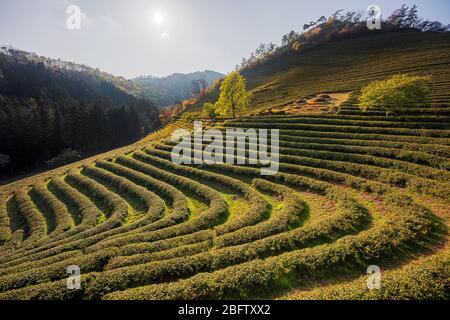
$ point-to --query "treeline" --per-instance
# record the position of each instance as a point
(40, 70)
(23, 78)
(34, 132)
(340, 26)
(173, 89)
(49, 108)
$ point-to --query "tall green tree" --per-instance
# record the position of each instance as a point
(234, 96)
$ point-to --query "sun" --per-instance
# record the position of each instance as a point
(158, 18)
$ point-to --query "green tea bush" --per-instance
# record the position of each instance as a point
(398, 91)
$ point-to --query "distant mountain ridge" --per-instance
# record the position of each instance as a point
(170, 89)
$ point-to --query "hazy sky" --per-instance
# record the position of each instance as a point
(136, 37)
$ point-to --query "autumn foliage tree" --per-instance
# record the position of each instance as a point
(166, 115)
(234, 96)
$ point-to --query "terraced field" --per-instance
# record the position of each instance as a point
(354, 189)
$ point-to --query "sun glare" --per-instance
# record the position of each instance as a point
(158, 18)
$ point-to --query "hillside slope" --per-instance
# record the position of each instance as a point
(166, 91)
(48, 105)
(25, 75)
(348, 65)
(354, 189)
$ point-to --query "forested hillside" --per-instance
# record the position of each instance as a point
(49, 105)
(335, 48)
(177, 87)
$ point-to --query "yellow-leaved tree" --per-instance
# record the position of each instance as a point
(399, 91)
(234, 96)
